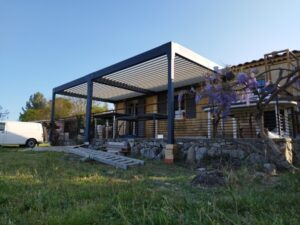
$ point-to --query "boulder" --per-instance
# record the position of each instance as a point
(209, 178)
(213, 152)
(148, 153)
(191, 156)
(135, 150)
(152, 152)
(200, 153)
(255, 158)
(270, 169)
(238, 154)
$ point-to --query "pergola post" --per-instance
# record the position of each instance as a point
(171, 113)
(88, 111)
(169, 152)
(52, 117)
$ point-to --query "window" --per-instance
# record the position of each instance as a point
(187, 106)
(2, 127)
(179, 108)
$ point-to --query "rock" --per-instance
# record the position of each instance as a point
(213, 152)
(239, 154)
(135, 150)
(156, 144)
(161, 155)
(202, 169)
(209, 178)
(270, 169)
(217, 145)
(186, 146)
(200, 153)
(150, 153)
(258, 175)
(226, 152)
(131, 142)
(256, 158)
(296, 158)
(191, 156)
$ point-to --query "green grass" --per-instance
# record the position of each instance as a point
(54, 188)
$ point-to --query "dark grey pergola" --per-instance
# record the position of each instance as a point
(163, 68)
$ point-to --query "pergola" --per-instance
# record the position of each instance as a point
(163, 68)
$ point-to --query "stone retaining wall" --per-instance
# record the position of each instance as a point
(201, 151)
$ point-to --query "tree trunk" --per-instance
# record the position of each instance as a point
(274, 153)
(216, 121)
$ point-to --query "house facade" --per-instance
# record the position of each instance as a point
(193, 119)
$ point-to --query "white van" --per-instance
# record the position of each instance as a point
(21, 133)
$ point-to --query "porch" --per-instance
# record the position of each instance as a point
(192, 121)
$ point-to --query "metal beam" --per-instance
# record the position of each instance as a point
(85, 97)
(121, 85)
(171, 113)
(88, 111)
(71, 84)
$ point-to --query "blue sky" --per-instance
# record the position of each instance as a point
(44, 44)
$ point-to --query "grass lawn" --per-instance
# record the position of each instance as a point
(55, 188)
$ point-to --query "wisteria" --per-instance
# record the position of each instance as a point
(222, 88)
(219, 91)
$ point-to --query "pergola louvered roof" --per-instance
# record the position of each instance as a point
(143, 74)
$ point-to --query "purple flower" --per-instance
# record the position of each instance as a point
(219, 87)
(242, 78)
(252, 83)
(208, 88)
(254, 70)
(198, 98)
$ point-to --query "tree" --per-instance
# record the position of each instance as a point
(79, 106)
(98, 108)
(36, 108)
(36, 101)
(63, 107)
(3, 114)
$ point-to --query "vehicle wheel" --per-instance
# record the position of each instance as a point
(31, 143)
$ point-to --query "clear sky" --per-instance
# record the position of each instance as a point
(44, 44)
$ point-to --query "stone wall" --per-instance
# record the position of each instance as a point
(296, 151)
(205, 151)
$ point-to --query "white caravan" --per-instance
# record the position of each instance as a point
(21, 133)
